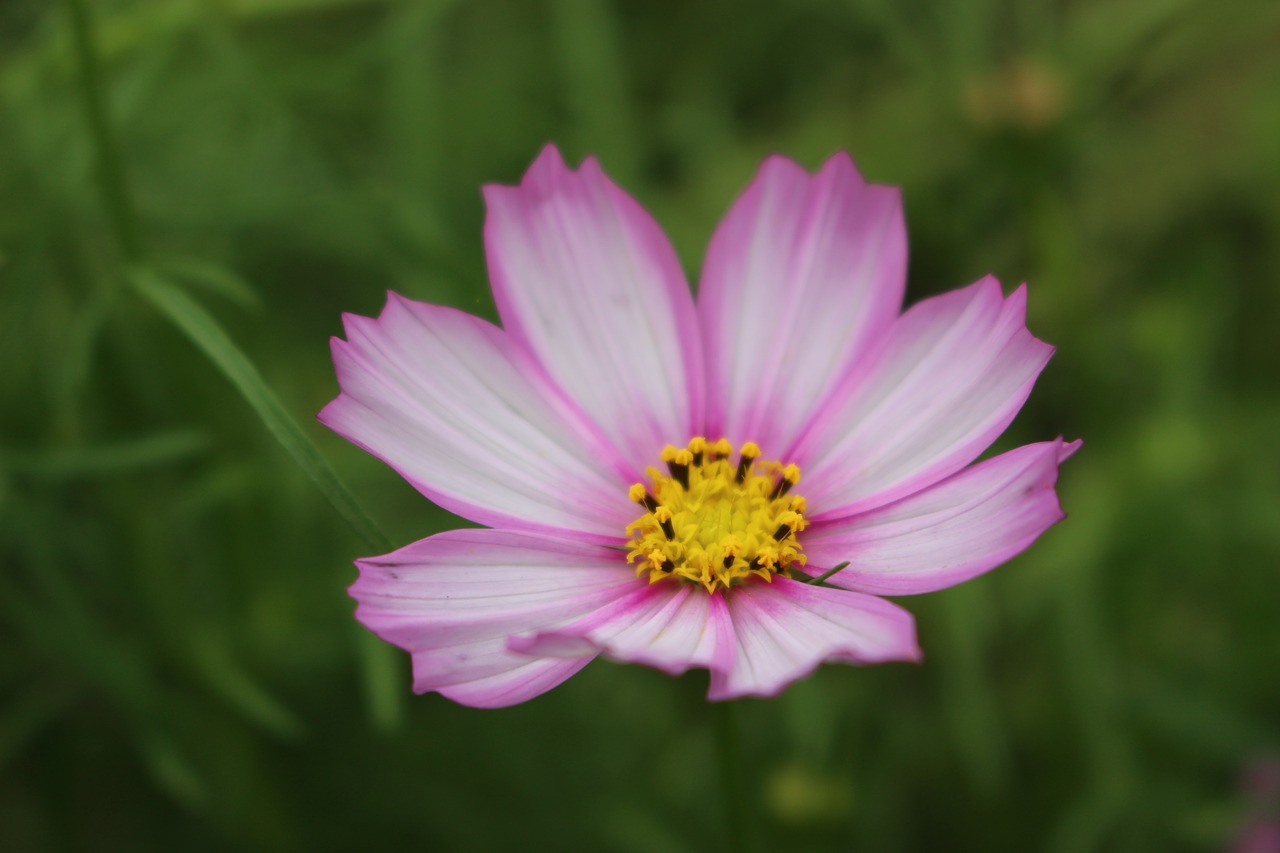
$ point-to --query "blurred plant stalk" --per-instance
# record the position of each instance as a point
(383, 698)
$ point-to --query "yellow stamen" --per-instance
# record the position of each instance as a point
(716, 521)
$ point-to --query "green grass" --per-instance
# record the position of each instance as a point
(180, 669)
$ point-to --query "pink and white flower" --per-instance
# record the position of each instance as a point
(804, 422)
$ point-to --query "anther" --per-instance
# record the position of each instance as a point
(790, 476)
(789, 522)
(678, 464)
(640, 495)
(663, 516)
(732, 548)
(697, 445)
(750, 451)
(721, 449)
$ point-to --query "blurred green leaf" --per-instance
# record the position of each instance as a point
(297, 158)
(188, 316)
(385, 702)
(227, 678)
(24, 717)
(121, 457)
(213, 278)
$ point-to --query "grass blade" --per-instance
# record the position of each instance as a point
(386, 706)
(205, 332)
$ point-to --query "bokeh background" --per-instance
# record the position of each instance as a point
(179, 669)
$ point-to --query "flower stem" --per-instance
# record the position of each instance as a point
(111, 179)
(724, 722)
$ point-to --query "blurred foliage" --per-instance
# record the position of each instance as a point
(180, 667)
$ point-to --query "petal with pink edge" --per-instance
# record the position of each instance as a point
(802, 274)
(465, 416)
(453, 600)
(588, 281)
(784, 630)
(968, 524)
(670, 625)
(937, 389)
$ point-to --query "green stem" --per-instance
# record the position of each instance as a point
(724, 722)
(111, 178)
(820, 579)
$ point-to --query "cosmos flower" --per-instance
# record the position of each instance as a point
(660, 478)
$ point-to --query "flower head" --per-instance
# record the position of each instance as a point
(660, 478)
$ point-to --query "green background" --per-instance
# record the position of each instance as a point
(179, 669)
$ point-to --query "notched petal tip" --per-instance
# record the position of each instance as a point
(1015, 308)
(356, 324)
(395, 302)
(539, 181)
(779, 162)
(988, 287)
(352, 321)
(548, 159)
(841, 173)
(328, 415)
(1067, 449)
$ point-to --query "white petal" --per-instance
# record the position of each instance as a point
(787, 629)
(454, 600)
(969, 523)
(937, 389)
(585, 278)
(463, 414)
(670, 625)
(802, 274)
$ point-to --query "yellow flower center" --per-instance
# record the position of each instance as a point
(714, 520)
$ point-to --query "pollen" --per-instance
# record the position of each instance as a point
(715, 520)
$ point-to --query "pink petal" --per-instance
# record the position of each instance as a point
(453, 600)
(967, 524)
(466, 417)
(787, 629)
(588, 281)
(802, 274)
(670, 625)
(934, 392)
